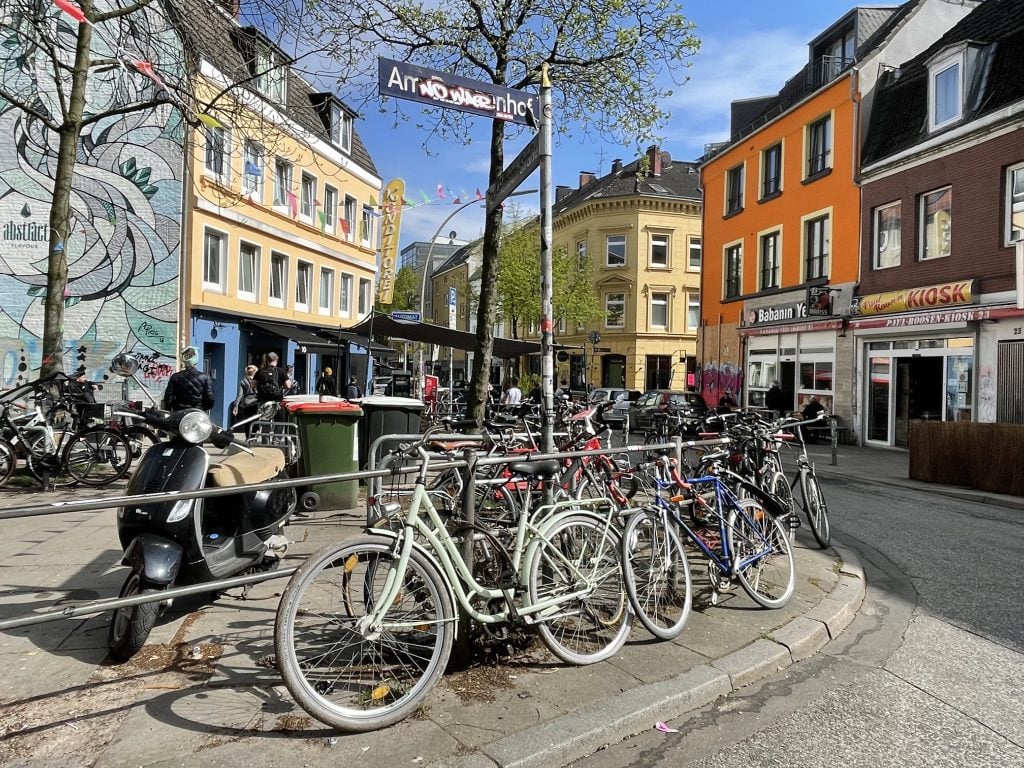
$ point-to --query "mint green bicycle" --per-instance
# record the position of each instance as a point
(365, 626)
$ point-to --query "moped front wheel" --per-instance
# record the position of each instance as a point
(130, 626)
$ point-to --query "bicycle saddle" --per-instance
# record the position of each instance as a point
(544, 468)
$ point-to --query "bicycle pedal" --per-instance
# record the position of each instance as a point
(793, 522)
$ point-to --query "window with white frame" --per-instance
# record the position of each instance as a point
(252, 169)
(945, 90)
(693, 311)
(278, 287)
(348, 224)
(659, 250)
(694, 255)
(364, 295)
(615, 310)
(769, 254)
(270, 74)
(248, 271)
(307, 196)
(345, 302)
(366, 227)
(341, 129)
(217, 161)
(282, 182)
(581, 253)
(1015, 204)
(771, 171)
(326, 291)
(936, 217)
(659, 310)
(733, 270)
(616, 250)
(303, 285)
(817, 241)
(215, 249)
(734, 190)
(819, 146)
(330, 214)
(888, 220)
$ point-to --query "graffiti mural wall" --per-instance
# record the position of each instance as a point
(716, 378)
(123, 247)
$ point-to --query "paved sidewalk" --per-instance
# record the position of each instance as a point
(198, 694)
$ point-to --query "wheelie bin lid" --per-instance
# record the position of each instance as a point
(336, 405)
(386, 401)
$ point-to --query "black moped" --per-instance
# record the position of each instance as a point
(190, 541)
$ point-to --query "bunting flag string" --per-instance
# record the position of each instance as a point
(440, 192)
(293, 204)
(73, 11)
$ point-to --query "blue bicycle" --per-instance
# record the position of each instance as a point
(743, 539)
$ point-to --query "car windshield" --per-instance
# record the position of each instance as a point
(688, 399)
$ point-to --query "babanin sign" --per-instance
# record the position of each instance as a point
(441, 89)
(390, 223)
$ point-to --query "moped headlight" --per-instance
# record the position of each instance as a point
(195, 427)
(180, 510)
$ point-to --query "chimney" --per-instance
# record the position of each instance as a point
(654, 160)
(616, 165)
(561, 192)
(586, 177)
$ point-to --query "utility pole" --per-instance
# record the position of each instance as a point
(546, 280)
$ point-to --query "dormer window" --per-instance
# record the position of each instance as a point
(341, 129)
(270, 71)
(949, 73)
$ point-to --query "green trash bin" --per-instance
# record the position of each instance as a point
(329, 443)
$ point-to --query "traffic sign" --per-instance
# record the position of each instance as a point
(521, 167)
(602, 349)
(411, 317)
(452, 297)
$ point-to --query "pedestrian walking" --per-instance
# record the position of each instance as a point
(352, 391)
(326, 384)
(775, 400)
(247, 402)
(189, 387)
(271, 381)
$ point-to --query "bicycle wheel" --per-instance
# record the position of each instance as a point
(43, 461)
(337, 667)
(761, 555)
(97, 456)
(8, 461)
(816, 509)
(778, 486)
(653, 438)
(580, 555)
(656, 574)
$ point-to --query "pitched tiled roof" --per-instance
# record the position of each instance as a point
(211, 33)
(677, 180)
(460, 257)
(899, 118)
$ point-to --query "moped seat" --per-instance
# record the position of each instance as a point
(242, 468)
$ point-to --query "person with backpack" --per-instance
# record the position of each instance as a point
(325, 384)
(352, 390)
(189, 387)
(271, 381)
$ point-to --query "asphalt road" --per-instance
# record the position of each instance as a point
(930, 672)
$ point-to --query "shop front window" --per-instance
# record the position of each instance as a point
(816, 376)
(878, 399)
(959, 382)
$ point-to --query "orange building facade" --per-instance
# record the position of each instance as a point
(781, 232)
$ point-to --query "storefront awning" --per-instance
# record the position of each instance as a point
(304, 336)
(385, 325)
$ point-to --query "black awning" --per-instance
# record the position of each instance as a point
(427, 333)
(301, 335)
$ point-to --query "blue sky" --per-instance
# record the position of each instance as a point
(749, 48)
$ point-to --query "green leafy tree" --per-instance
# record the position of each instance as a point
(406, 292)
(609, 64)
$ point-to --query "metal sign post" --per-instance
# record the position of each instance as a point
(547, 328)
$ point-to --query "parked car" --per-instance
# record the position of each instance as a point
(615, 417)
(690, 404)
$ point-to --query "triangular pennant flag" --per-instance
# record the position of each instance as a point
(323, 220)
(293, 204)
(426, 199)
(479, 194)
(71, 10)
(251, 169)
(344, 226)
(451, 194)
(146, 68)
(456, 201)
(440, 192)
(209, 120)
(463, 194)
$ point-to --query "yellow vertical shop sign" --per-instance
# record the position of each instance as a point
(391, 220)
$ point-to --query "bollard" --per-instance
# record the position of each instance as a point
(835, 442)
(462, 650)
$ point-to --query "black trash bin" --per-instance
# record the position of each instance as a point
(401, 384)
(384, 415)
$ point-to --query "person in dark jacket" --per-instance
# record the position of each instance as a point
(325, 385)
(775, 399)
(271, 381)
(189, 387)
(352, 390)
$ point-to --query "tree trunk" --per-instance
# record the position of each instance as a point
(60, 211)
(487, 310)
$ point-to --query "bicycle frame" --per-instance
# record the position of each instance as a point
(443, 550)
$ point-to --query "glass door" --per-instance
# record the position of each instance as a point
(879, 396)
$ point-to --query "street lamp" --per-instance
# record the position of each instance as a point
(429, 265)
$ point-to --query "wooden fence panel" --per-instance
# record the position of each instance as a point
(989, 457)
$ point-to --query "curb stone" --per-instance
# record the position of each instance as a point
(575, 735)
